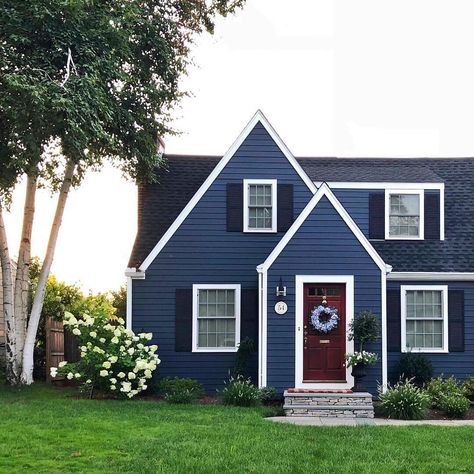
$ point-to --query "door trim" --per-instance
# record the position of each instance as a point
(300, 280)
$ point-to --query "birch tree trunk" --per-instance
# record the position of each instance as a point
(27, 372)
(22, 278)
(12, 372)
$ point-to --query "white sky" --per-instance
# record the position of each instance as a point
(334, 77)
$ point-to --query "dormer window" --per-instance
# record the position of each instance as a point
(260, 205)
(404, 214)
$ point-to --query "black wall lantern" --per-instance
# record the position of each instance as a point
(280, 289)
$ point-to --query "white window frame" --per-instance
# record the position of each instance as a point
(421, 194)
(196, 289)
(273, 183)
(403, 303)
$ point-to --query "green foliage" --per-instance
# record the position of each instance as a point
(440, 388)
(242, 356)
(119, 302)
(455, 406)
(110, 97)
(404, 401)
(241, 392)
(415, 367)
(364, 328)
(113, 359)
(468, 388)
(178, 390)
(267, 394)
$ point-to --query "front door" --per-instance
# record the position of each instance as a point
(323, 353)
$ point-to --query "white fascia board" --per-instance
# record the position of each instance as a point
(258, 117)
(431, 276)
(134, 273)
(323, 191)
(380, 185)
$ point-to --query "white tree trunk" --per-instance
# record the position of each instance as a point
(27, 372)
(22, 279)
(12, 373)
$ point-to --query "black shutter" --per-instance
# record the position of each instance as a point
(285, 215)
(249, 315)
(456, 320)
(394, 321)
(183, 339)
(235, 207)
(377, 215)
(432, 209)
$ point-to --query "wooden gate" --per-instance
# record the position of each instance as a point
(54, 347)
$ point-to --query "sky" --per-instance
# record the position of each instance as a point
(334, 77)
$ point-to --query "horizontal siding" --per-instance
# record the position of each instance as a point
(323, 245)
(459, 364)
(202, 251)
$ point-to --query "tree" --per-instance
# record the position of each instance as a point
(81, 82)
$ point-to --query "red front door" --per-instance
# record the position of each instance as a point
(323, 354)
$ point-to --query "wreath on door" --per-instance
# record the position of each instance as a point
(324, 318)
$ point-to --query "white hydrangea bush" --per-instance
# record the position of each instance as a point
(113, 359)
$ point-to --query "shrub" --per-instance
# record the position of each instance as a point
(364, 328)
(240, 391)
(404, 401)
(242, 356)
(468, 388)
(415, 367)
(439, 388)
(113, 359)
(455, 406)
(267, 394)
(177, 390)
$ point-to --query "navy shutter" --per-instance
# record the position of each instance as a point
(456, 320)
(249, 315)
(432, 209)
(377, 215)
(394, 321)
(285, 214)
(235, 207)
(183, 340)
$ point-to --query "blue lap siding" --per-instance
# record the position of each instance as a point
(459, 364)
(323, 245)
(202, 251)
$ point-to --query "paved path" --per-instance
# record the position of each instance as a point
(328, 421)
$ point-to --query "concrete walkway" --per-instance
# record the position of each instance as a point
(328, 421)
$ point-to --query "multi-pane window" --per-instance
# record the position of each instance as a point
(216, 317)
(425, 319)
(404, 215)
(260, 206)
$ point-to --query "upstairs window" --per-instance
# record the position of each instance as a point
(260, 205)
(404, 214)
(424, 318)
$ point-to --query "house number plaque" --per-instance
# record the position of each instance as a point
(281, 307)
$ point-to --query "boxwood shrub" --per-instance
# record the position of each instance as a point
(178, 390)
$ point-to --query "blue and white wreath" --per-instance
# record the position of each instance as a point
(332, 318)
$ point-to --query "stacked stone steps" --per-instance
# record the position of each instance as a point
(329, 404)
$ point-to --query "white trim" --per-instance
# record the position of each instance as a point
(246, 184)
(264, 350)
(300, 280)
(421, 222)
(380, 185)
(431, 276)
(196, 288)
(258, 117)
(441, 214)
(444, 293)
(323, 191)
(132, 273)
(128, 319)
(384, 333)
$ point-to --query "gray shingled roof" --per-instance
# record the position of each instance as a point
(184, 175)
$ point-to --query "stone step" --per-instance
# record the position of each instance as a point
(330, 404)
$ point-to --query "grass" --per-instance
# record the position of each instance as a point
(46, 430)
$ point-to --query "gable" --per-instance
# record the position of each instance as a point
(257, 153)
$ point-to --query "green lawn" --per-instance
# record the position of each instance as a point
(48, 430)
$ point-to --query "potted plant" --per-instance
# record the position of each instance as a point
(364, 328)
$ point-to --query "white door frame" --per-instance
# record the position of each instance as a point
(299, 317)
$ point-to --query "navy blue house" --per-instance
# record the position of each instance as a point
(249, 244)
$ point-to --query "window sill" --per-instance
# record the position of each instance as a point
(216, 349)
(426, 351)
(260, 231)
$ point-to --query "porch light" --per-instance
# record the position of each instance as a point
(280, 289)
